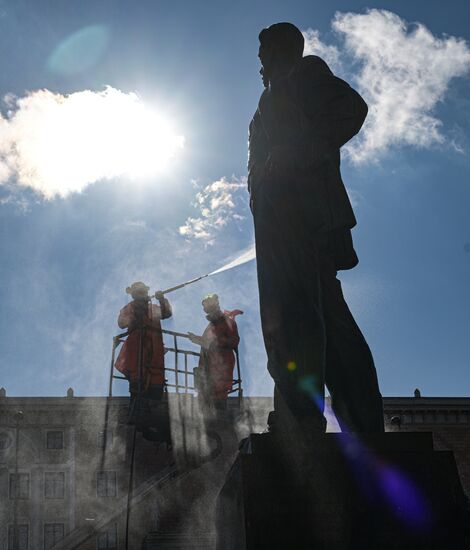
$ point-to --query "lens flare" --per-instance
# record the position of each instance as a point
(308, 384)
(403, 496)
(79, 51)
(379, 480)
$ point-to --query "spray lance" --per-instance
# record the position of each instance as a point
(177, 287)
(244, 257)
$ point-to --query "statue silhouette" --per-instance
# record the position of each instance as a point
(303, 220)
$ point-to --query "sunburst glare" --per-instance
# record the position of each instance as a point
(58, 144)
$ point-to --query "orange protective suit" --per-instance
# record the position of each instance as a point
(138, 314)
(217, 359)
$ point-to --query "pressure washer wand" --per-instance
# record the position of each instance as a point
(168, 290)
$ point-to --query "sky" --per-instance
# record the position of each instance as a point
(123, 145)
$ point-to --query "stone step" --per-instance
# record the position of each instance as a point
(405, 442)
(178, 541)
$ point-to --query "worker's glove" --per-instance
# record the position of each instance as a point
(195, 339)
(159, 296)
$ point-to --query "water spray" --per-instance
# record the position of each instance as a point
(246, 256)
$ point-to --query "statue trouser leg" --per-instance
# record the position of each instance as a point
(297, 369)
(311, 339)
(350, 373)
(295, 339)
(291, 307)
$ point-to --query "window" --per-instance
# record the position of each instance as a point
(55, 440)
(19, 486)
(22, 534)
(54, 483)
(53, 533)
(107, 539)
(5, 441)
(106, 484)
(105, 439)
(451, 418)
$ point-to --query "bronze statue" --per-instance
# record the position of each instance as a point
(303, 220)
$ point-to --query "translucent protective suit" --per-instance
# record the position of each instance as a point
(142, 317)
(217, 360)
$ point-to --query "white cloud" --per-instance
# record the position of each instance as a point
(58, 144)
(405, 71)
(217, 204)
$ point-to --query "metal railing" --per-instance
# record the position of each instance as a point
(177, 377)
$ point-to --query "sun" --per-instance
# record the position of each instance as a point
(67, 142)
(148, 142)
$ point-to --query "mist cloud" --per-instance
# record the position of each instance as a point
(57, 144)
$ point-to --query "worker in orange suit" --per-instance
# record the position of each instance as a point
(143, 320)
(214, 378)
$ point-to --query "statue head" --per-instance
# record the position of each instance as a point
(281, 47)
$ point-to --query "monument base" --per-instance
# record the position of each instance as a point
(343, 491)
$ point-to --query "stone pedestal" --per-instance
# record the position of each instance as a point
(338, 491)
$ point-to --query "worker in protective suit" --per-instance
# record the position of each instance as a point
(142, 319)
(214, 375)
(303, 220)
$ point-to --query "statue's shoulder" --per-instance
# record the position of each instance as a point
(264, 99)
(312, 66)
(264, 95)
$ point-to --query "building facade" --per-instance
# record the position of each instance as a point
(64, 468)
(65, 465)
(448, 418)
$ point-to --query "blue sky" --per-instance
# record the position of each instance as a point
(66, 260)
